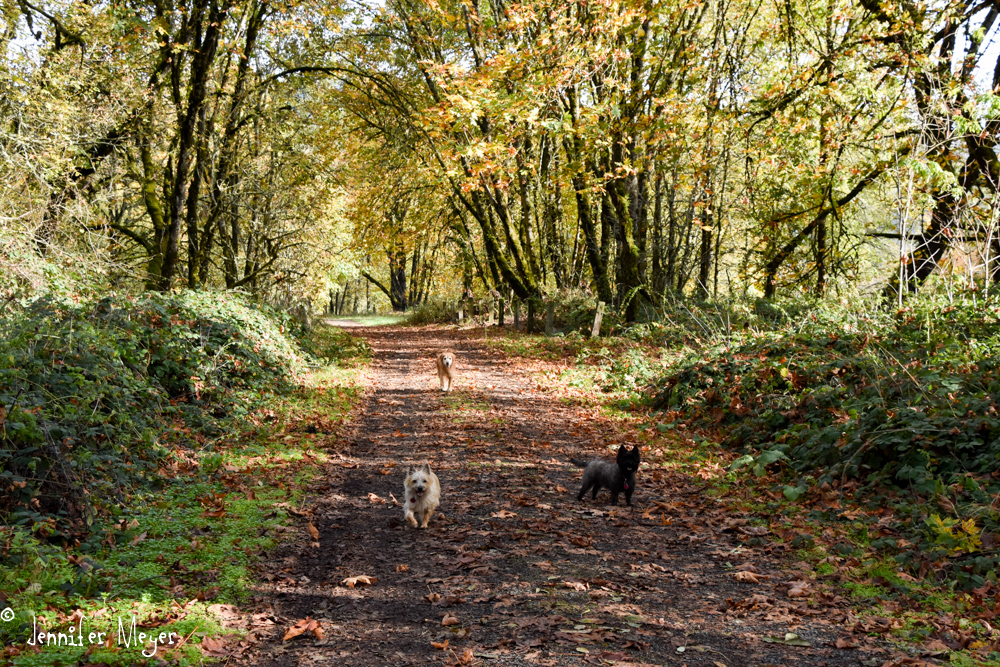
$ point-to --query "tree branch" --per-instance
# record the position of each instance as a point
(377, 284)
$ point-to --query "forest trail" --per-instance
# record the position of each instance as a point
(522, 572)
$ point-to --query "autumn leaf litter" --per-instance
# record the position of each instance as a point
(513, 569)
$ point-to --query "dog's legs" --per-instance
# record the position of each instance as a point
(410, 519)
(628, 498)
(427, 517)
(597, 487)
(583, 492)
(614, 498)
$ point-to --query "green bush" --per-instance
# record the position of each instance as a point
(575, 311)
(435, 311)
(335, 345)
(909, 402)
(88, 387)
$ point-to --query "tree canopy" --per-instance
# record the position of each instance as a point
(631, 149)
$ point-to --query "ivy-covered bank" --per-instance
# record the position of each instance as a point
(150, 448)
(905, 405)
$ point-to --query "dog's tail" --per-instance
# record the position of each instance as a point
(579, 463)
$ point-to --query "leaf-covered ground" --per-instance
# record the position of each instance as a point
(514, 570)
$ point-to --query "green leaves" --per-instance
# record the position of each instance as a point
(844, 401)
(93, 390)
(794, 492)
(759, 462)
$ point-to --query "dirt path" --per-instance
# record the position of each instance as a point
(531, 575)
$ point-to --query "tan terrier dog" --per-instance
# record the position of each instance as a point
(421, 495)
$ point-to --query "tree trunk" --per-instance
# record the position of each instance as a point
(397, 279)
(705, 253)
(656, 279)
(204, 50)
(598, 261)
(920, 264)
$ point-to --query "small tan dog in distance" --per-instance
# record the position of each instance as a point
(422, 494)
(445, 366)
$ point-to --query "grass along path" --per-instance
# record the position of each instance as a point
(514, 570)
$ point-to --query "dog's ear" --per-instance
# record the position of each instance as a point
(426, 467)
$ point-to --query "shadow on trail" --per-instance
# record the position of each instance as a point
(522, 572)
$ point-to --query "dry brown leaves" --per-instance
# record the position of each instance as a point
(363, 579)
(302, 626)
(214, 504)
(215, 648)
(750, 577)
(467, 659)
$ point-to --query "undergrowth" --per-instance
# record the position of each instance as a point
(435, 311)
(151, 450)
(95, 395)
(905, 404)
(573, 313)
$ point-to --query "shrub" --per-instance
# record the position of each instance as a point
(87, 388)
(910, 402)
(575, 311)
(435, 311)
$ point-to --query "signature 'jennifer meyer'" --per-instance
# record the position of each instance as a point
(127, 636)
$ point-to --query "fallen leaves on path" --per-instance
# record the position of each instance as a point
(790, 639)
(301, 627)
(750, 577)
(513, 567)
(351, 582)
(215, 648)
(467, 659)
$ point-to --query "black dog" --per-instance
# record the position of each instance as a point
(615, 477)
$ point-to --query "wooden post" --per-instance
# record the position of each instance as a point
(596, 331)
(500, 310)
(550, 316)
(493, 313)
(517, 314)
(460, 311)
(530, 325)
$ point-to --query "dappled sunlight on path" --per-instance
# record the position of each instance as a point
(513, 569)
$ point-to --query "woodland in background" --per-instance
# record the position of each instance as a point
(631, 150)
